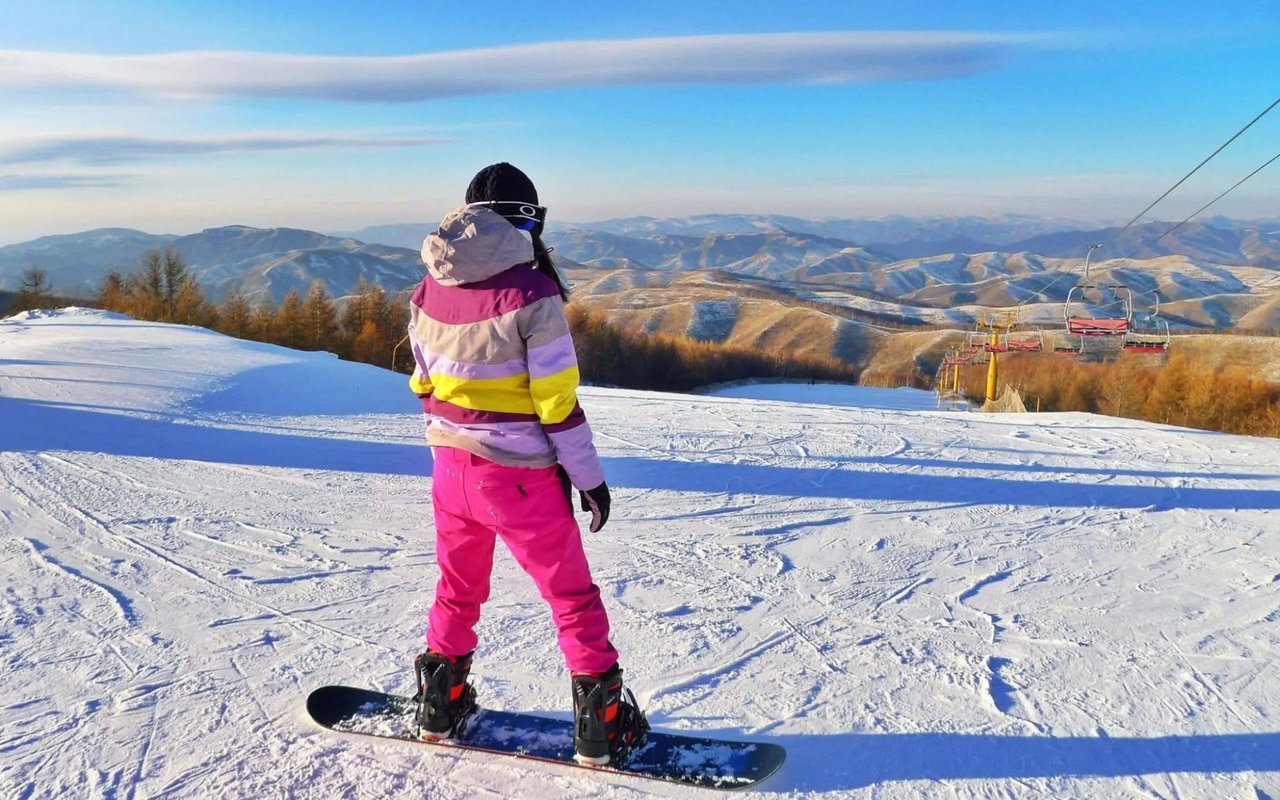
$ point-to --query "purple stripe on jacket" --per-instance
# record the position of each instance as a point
(577, 454)
(524, 440)
(437, 364)
(508, 291)
(552, 357)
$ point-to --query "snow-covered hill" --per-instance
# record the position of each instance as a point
(259, 262)
(197, 531)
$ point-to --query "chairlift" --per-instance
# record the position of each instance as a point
(1083, 324)
(993, 330)
(1068, 345)
(1027, 342)
(1152, 340)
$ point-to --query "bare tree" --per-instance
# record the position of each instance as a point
(33, 292)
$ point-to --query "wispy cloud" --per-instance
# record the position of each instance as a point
(17, 183)
(100, 149)
(815, 58)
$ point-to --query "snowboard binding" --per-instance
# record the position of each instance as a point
(445, 699)
(608, 724)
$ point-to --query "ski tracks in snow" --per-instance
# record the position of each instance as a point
(116, 585)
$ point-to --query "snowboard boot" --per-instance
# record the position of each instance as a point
(607, 723)
(445, 699)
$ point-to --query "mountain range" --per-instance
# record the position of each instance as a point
(825, 287)
(256, 261)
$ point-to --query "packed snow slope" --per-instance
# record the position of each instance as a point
(198, 531)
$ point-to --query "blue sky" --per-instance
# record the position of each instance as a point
(172, 117)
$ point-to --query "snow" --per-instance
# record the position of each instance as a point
(712, 320)
(197, 531)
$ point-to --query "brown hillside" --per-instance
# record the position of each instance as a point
(1266, 317)
(908, 359)
(1259, 355)
(716, 307)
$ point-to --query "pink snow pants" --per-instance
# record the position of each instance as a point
(476, 501)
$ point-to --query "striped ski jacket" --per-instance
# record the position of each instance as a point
(495, 365)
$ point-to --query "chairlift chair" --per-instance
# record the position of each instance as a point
(1083, 324)
(1031, 341)
(1068, 345)
(1153, 340)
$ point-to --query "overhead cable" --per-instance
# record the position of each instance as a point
(1219, 197)
(1222, 147)
(1170, 190)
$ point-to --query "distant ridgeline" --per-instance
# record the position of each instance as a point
(892, 271)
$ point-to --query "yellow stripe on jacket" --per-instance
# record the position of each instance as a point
(419, 384)
(551, 398)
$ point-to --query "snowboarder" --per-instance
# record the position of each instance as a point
(498, 377)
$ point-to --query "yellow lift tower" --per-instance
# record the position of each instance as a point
(996, 325)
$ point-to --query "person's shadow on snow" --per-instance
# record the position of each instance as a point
(867, 479)
(817, 763)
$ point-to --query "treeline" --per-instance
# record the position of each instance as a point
(371, 325)
(163, 289)
(1179, 392)
(608, 355)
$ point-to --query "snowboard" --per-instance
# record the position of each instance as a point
(692, 760)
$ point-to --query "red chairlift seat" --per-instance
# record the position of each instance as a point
(1087, 326)
(1107, 324)
(1027, 342)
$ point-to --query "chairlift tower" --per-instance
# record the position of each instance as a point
(997, 325)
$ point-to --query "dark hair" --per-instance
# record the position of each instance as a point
(543, 263)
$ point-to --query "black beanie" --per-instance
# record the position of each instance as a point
(498, 182)
(509, 192)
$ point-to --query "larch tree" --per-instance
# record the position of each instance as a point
(34, 291)
(321, 318)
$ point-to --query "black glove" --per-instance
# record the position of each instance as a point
(597, 502)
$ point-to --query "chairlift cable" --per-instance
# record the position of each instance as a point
(1202, 208)
(1222, 147)
(1197, 212)
(1169, 191)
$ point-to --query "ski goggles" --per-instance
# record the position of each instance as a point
(525, 216)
